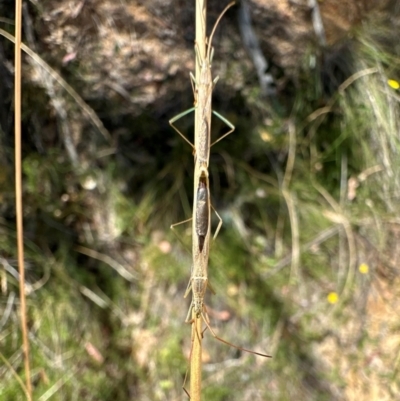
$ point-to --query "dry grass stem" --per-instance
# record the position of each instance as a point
(18, 195)
(78, 99)
(195, 360)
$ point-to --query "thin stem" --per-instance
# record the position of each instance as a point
(18, 194)
(196, 360)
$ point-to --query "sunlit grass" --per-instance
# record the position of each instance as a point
(96, 335)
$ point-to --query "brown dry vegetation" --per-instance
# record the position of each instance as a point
(106, 277)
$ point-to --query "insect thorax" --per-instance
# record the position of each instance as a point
(197, 306)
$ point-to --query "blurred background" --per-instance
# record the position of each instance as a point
(305, 267)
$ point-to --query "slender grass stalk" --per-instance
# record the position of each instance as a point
(196, 360)
(56, 76)
(15, 374)
(18, 194)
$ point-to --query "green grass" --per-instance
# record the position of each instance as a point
(98, 336)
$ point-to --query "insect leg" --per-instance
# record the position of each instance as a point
(219, 224)
(228, 343)
(228, 123)
(176, 118)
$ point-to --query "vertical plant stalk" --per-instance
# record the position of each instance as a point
(18, 194)
(196, 360)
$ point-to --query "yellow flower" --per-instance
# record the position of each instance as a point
(332, 298)
(393, 84)
(363, 268)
